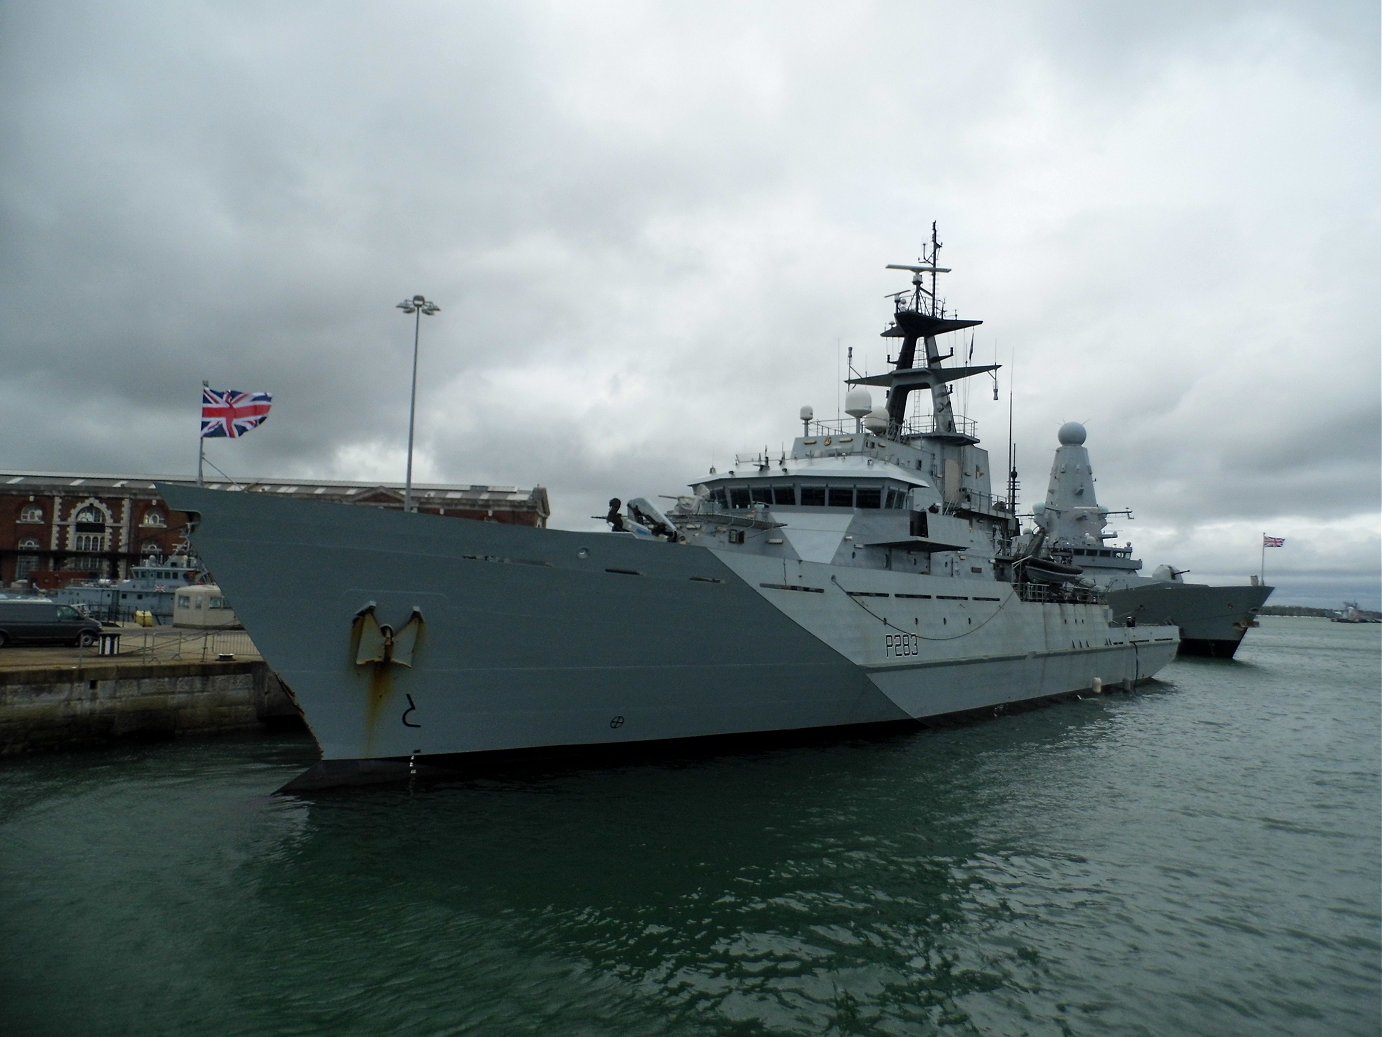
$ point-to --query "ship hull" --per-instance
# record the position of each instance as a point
(502, 638)
(1212, 620)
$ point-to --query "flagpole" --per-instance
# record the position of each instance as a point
(201, 439)
(1262, 569)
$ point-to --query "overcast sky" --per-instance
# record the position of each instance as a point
(655, 229)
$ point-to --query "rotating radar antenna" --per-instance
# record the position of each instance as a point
(920, 270)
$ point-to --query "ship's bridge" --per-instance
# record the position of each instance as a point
(852, 480)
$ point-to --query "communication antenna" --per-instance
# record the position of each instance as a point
(1012, 461)
(853, 373)
(928, 265)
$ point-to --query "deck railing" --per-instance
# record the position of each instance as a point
(913, 427)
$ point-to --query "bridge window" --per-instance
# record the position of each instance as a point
(869, 497)
(813, 496)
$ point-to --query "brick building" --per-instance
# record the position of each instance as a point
(57, 529)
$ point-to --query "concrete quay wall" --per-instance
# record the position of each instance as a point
(96, 702)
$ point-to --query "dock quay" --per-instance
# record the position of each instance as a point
(137, 683)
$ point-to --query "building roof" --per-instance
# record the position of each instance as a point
(443, 495)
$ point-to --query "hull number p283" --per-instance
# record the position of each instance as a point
(899, 645)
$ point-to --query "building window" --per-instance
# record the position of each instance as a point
(89, 529)
(33, 513)
(27, 562)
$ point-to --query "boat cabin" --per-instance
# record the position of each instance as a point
(204, 607)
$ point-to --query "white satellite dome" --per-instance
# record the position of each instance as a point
(876, 421)
(858, 402)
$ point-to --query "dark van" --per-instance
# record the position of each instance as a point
(33, 621)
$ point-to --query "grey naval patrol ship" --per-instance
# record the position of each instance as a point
(1212, 620)
(859, 579)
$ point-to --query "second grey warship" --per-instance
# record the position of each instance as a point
(1212, 619)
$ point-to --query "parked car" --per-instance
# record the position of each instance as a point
(37, 621)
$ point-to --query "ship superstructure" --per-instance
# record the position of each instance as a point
(882, 492)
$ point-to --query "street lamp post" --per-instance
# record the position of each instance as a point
(417, 306)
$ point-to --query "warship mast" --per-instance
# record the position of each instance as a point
(920, 316)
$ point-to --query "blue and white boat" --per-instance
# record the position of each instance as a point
(150, 587)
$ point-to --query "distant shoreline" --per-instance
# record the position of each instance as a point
(1305, 610)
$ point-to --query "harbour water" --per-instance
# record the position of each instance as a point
(1203, 856)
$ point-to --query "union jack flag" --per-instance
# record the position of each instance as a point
(1273, 541)
(232, 413)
